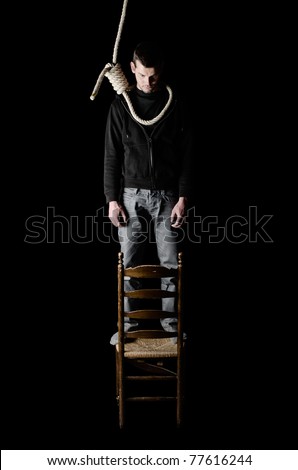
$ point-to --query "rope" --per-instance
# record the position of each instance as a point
(109, 67)
(156, 118)
(119, 82)
(117, 79)
(120, 27)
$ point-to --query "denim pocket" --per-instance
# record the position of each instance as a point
(131, 191)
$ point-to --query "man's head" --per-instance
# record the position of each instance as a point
(147, 65)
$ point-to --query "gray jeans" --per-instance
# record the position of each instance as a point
(149, 213)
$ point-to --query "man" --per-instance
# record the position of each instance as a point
(147, 168)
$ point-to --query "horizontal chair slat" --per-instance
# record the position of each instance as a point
(151, 398)
(150, 334)
(144, 378)
(152, 272)
(150, 314)
(149, 294)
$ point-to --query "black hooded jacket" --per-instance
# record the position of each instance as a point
(158, 156)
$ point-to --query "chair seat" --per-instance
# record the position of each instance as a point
(150, 348)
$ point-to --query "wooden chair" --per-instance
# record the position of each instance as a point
(148, 355)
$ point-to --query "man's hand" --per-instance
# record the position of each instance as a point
(178, 212)
(117, 214)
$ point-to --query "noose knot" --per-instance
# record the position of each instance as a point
(117, 78)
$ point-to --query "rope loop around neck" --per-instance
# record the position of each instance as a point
(156, 118)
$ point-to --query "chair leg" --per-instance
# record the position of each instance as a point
(121, 406)
(117, 375)
(178, 408)
(180, 392)
(119, 390)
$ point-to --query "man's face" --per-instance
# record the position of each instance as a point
(146, 77)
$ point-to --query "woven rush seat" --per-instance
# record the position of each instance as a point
(150, 348)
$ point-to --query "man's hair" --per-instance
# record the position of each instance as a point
(150, 55)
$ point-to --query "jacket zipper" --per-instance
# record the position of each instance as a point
(151, 162)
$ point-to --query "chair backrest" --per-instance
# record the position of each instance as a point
(150, 342)
(148, 296)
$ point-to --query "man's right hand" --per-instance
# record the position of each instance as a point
(117, 214)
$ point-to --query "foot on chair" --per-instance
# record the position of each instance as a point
(127, 327)
(174, 339)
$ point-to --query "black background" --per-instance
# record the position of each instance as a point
(60, 375)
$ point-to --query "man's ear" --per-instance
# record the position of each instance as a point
(132, 67)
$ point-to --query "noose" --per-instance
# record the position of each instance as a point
(118, 80)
